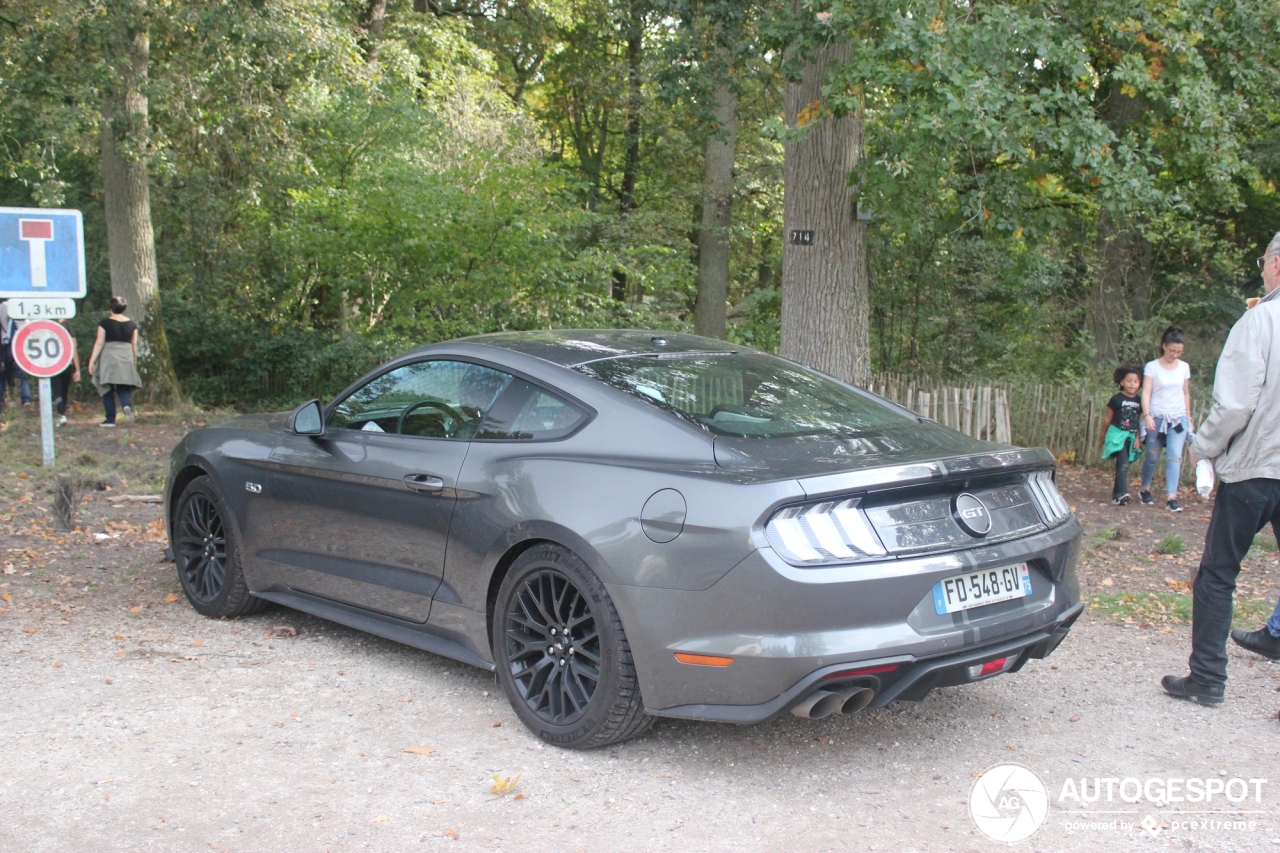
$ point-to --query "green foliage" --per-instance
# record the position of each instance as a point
(1171, 544)
(326, 193)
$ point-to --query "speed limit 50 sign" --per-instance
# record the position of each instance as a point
(42, 348)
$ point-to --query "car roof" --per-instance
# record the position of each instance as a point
(571, 347)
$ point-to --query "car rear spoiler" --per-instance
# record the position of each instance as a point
(916, 473)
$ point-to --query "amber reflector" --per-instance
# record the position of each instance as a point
(703, 660)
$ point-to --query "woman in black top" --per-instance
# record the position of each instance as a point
(114, 362)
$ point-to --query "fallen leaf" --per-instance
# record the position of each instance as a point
(406, 698)
(171, 598)
(1075, 718)
(281, 631)
(519, 797)
(197, 643)
(452, 833)
(418, 750)
(379, 819)
(1166, 630)
(1108, 582)
(6, 596)
(57, 666)
(496, 725)
(502, 785)
(135, 609)
(28, 630)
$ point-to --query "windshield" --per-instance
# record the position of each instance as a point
(748, 395)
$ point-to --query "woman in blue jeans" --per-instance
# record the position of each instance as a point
(1166, 399)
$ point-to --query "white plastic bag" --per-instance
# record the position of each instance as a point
(1204, 477)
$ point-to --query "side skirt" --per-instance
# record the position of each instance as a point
(409, 633)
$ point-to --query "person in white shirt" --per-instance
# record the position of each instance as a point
(1166, 400)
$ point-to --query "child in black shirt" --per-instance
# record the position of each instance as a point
(1120, 432)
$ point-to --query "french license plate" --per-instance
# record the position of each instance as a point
(963, 592)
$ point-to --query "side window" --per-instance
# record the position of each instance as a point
(431, 399)
(527, 412)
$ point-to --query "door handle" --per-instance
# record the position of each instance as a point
(425, 483)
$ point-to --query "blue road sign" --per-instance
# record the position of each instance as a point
(41, 253)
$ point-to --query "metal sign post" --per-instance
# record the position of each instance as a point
(43, 349)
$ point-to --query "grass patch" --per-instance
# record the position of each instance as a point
(1263, 544)
(1171, 608)
(1171, 544)
(1105, 535)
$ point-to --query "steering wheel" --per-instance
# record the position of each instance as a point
(449, 411)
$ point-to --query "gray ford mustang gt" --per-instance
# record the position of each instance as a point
(626, 525)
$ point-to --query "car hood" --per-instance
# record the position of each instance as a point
(811, 456)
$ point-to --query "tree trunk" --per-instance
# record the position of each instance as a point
(717, 216)
(1121, 296)
(630, 134)
(371, 21)
(127, 193)
(825, 301)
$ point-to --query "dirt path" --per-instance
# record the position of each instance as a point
(133, 724)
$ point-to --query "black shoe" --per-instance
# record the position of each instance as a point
(1145, 497)
(1185, 688)
(1259, 642)
(1122, 500)
(1173, 506)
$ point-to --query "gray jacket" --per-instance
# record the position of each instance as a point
(1242, 433)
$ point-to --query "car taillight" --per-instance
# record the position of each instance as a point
(991, 667)
(1052, 505)
(823, 534)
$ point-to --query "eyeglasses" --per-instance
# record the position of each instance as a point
(1262, 261)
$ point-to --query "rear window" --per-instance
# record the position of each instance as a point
(526, 412)
(748, 395)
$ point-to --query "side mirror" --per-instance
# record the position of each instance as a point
(307, 419)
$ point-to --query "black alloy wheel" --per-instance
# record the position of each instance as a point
(202, 549)
(562, 654)
(206, 549)
(553, 647)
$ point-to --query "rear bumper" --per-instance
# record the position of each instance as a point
(912, 679)
(787, 628)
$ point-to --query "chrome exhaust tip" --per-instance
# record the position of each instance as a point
(818, 704)
(853, 701)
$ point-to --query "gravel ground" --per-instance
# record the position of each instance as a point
(172, 732)
(131, 723)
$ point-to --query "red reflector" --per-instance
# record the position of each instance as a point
(870, 670)
(993, 666)
(36, 229)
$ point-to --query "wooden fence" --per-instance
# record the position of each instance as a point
(981, 411)
(1067, 419)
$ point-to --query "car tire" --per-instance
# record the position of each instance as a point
(581, 692)
(206, 548)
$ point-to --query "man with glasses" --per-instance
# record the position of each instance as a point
(1241, 440)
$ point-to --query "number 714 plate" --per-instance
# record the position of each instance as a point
(963, 592)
